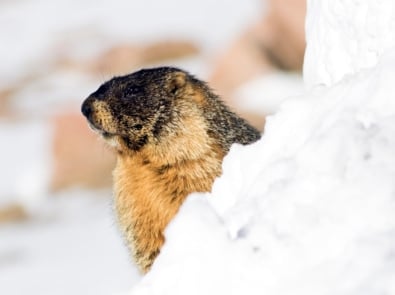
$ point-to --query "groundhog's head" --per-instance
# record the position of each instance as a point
(134, 110)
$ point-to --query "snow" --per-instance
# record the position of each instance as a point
(32, 172)
(309, 209)
(344, 37)
(72, 246)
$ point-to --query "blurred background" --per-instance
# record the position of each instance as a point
(57, 230)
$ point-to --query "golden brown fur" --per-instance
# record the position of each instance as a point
(171, 134)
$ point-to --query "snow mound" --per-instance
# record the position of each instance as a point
(346, 36)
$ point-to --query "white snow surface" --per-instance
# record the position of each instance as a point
(32, 172)
(71, 247)
(310, 208)
(345, 36)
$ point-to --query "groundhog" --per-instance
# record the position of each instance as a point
(171, 133)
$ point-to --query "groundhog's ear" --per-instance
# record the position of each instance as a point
(177, 82)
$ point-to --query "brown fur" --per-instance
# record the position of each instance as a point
(171, 134)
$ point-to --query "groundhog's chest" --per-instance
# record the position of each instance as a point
(150, 194)
(142, 181)
(147, 196)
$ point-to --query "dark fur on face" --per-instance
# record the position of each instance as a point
(134, 109)
(137, 109)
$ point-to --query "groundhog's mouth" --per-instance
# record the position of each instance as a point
(103, 133)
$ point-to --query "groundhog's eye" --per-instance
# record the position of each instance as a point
(138, 127)
(133, 90)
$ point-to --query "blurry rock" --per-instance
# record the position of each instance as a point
(79, 159)
(5, 96)
(3, 102)
(243, 60)
(12, 213)
(275, 42)
(163, 50)
(117, 59)
(283, 35)
(123, 58)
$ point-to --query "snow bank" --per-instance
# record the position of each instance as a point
(346, 36)
(309, 209)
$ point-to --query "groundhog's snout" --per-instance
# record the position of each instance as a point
(99, 117)
(86, 108)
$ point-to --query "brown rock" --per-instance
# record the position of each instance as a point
(124, 58)
(79, 159)
(12, 213)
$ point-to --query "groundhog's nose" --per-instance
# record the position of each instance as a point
(86, 108)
